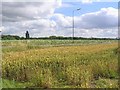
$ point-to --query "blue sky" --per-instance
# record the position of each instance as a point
(68, 7)
(90, 0)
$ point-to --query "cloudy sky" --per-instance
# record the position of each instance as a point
(54, 17)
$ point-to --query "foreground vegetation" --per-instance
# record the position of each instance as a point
(53, 64)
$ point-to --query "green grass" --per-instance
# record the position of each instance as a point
(106, 83)
(11, 84)
(15, 45)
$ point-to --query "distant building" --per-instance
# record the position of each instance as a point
(27, 35)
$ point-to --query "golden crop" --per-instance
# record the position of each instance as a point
(72, 66)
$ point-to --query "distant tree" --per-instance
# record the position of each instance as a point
(52, 37)
(10, 37)
(27, 35)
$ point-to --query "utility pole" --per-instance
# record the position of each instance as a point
(73, 23)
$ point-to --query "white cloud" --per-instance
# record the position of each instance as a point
(2, 28)
(107, 33)
(17, 17)
(62, 21)
(105, 18)
(36, 18)
(87, 1)
(102, 23)
(15, 11)
(42, 27)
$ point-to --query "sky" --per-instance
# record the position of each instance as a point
(54, 17)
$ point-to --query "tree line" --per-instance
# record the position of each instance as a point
(15, 37)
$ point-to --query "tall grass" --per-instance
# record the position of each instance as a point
(15, 45)
(84, 66)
